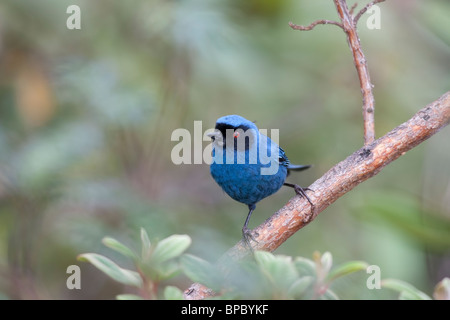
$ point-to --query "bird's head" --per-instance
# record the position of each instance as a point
(234, 128)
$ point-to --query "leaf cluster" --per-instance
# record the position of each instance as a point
(264, 276)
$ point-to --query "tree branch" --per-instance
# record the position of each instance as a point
(353, 8)
(312, 25)
(343, 177)
(363, 10)
(349, 26)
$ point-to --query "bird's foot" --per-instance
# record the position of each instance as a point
(247, 235)
(302, 193)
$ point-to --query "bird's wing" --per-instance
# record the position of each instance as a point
(283, 159)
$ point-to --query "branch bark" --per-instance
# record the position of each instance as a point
(343, 177)
(349, 26)
(313, 24)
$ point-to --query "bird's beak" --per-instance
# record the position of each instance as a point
(213, 135)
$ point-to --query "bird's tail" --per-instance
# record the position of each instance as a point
(295, 167)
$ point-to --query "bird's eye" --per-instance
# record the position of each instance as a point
(236, 134)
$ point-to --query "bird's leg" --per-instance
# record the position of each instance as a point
(246, 232)
(301, 192)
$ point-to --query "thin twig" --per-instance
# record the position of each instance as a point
(348, 24)
(343, 177)
(353, 7)
(362, 69)
(363, 10)
(312, 25)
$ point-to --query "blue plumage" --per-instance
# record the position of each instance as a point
(244, 182)
(248, 165)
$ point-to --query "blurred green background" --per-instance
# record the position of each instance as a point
(86, 118)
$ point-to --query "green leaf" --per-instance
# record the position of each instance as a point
(280, 269)
(263, 257)
(326, 261)
(127, 296)
(406, 290)
(345, 269)
(201, 271)
(119, 247)
(299, 287)
(170, 247)
(305, 266)
(173, 293)
(329, 295)
(146, 245)
(167, 270)
(110, 268)
(406, 295)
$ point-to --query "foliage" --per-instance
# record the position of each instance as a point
(271, 276)
(265, 276)
(154, 264)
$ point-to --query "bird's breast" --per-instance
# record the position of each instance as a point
(245, 183)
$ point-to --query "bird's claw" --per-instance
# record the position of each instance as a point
(247, 235)
(302, 192)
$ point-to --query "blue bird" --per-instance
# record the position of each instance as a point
(248, 165)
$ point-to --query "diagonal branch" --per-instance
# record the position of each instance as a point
(343, 177)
